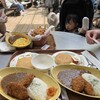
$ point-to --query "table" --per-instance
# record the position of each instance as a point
(68, 41)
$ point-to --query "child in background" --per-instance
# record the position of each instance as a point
(71, 23)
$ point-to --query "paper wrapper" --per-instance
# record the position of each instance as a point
(38, 40)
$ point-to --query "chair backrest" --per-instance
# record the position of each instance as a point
(82, 8)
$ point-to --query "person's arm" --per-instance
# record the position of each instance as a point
(92, 34)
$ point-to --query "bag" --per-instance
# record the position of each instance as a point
(82, 8)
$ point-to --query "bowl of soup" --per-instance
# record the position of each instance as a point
(18, 40)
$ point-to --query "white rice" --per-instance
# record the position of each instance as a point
(94, 81)
(37, 89)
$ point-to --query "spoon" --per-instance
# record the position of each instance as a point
(48, 30)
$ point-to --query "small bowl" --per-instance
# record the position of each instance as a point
(42, 62)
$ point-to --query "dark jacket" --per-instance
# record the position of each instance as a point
(83, 8)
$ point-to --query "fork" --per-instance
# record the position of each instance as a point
(90, 64)
(64, 95)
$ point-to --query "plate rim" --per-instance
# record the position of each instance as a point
(16, 58)
(75, 67)
(25, 70)
(65, 51)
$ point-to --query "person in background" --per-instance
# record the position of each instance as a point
(71, 23)
(93, 34)
(15, 4)
(3, 20)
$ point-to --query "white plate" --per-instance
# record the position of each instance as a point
(4, 47)
(15, 59)
(81, 59)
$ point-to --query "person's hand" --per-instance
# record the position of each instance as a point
(92, 34)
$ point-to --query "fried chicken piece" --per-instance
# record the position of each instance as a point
(78, 84)
(39, 30)
(17, 90)
(26, 80)
(88, 88)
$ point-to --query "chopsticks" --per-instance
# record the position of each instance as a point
(96, 41)
(63, 95)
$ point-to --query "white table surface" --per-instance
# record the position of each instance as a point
(69, 41)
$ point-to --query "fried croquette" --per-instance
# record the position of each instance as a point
(88, 89)
(62, 59)
(26, 80)
(17, 90)
(78, 84)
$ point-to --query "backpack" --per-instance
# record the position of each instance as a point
(82, 8)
